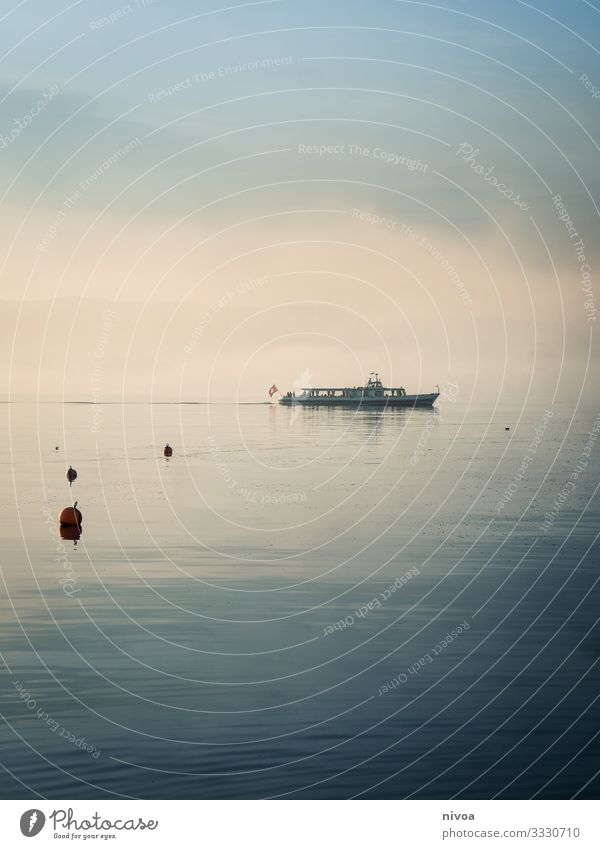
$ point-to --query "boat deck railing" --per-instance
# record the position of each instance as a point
(350, 392)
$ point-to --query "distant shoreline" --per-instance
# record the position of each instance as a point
(146, 403)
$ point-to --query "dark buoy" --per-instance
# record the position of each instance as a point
(71, 475)
(168, 452)
(70, 516)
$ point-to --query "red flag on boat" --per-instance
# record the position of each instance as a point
(273, 390)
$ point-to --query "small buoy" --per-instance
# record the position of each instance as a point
(71, 475)
(70, 516)
(168, 452)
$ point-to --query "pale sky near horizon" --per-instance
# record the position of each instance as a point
(202, 198)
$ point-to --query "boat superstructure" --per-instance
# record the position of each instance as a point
(372, 394)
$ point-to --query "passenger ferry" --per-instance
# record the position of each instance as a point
(372, 394)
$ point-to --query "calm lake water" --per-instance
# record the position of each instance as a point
(300, 603)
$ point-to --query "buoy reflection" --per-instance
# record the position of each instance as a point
(72, 532)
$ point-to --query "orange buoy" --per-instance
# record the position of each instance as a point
(71, 475)
(70, 516)
(168, 452)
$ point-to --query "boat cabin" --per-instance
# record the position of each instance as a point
(373, 388)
